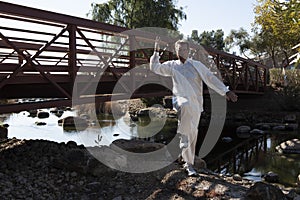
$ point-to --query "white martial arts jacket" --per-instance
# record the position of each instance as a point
(187, 79)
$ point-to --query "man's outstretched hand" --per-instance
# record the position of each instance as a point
(231, 96)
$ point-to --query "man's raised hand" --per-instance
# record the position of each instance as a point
(156, 44)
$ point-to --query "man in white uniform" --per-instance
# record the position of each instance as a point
(187, 76)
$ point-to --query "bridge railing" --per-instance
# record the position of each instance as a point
(242, 75)
(43, 53)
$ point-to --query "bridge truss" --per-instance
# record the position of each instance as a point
(65, 60)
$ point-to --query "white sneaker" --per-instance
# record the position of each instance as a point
(189, 169)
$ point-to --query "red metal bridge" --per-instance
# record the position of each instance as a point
(52, 56)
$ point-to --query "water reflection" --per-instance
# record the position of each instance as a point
(104, 131)
(287, 166)
(22, 126)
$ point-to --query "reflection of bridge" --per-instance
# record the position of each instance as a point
(43, 53)
(240, 158)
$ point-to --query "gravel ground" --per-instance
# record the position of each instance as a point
(39, 169)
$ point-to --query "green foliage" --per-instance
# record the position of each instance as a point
(289, 77)
(277, 23)
(139, 13)
(289, 98)
(239, 38)
(288, 88)
(212, 39)
(276, 77)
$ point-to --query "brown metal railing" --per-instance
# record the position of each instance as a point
(42, 54)
(242, 75)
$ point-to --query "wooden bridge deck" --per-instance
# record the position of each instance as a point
(49, 55)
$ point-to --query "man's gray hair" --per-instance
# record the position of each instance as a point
(181, 42)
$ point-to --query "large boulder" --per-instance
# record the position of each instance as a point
(257, 132)
(271, 177)
(264, 126)
(73, 123)
(289, 146)
(42, 114)
(138, 146)
(152, 112)
(243, 131)
(3, 132)
(117, 108)
(264, 191)
(291, 118)
(56, 111)
(32, 113)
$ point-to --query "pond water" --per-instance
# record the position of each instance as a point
(287, 166)
(22, 126)
(104, 131)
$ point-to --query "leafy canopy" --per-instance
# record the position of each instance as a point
(278, 24)
(212, 39)
(139, 13)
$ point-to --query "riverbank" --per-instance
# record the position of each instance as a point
(39, 169)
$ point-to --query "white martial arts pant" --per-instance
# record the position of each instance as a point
(188, 121)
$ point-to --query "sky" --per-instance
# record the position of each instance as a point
(202, 15)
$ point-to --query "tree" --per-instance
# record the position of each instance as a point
(139, 13)
(212, 39)
(278, 24)
(239, 38)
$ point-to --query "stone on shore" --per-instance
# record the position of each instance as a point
(138, 146)
(263, 191)
(39, 169)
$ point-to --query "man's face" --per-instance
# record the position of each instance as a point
(182, 51)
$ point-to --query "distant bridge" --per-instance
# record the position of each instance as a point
(50, 56)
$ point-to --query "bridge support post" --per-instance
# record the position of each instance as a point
(256, 79)
(132, 51)
(234, 75)
(246, 76)
(72, 55)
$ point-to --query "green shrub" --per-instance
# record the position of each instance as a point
(287, 88)
(291, 77)
(276, 77)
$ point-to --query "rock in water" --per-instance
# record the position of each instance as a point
(43, 114)
(73, 123)
(243, 131)
(289, 146)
